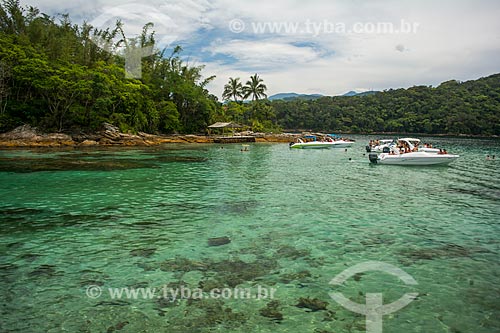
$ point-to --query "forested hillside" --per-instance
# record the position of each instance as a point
(53, 75)
(471, 107)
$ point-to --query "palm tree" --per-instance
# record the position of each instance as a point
(233, 89)
(255, 88)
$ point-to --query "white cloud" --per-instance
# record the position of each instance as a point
(262, 55)
(455, 39)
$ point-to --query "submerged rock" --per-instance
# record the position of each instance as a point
(24, 165)
(238, 207)
(330, 316)
(228, 273)
(118, 302)
(117, 327)
(7, 269)
(445, 251)
(272, 311)
(180, 159)
(203, 313)
(298, 276)
(44, 271)
(313, 304)
(182, 265)
(30, 256)
(21, 211)
(235, 272)
(218, 241)
(164, 303)
(146, 253)
(291, 252)
(211, 284)
(357, 276)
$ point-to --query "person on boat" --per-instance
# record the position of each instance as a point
(445, 152)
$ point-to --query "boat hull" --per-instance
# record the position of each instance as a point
(321, 145)
(342, 144)
(310, 145)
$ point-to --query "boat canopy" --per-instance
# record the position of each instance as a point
(411, 142)
(410, 139)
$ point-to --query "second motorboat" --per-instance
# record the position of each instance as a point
(408, 152)
(329, 141)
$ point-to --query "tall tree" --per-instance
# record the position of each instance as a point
(233, 89)
(255, 88)
(5, 74)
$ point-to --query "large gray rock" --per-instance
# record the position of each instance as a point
(25, 132)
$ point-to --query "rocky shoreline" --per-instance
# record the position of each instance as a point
(31, 137)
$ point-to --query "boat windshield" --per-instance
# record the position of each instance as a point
(310, 137)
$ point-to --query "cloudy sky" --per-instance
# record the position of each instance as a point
(320, 46)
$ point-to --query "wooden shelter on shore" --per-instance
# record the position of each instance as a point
(223, 138)
(222, 127)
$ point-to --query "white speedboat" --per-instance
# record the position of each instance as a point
(412, 158)
(321, 144)
(310, 145)
(324, 144)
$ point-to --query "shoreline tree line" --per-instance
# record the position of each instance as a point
(54, 75)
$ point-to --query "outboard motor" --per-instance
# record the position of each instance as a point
(373, 157)
(386, 150)
(290, 144)
(368, 149)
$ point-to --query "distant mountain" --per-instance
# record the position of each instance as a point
(353, 93)
(290, 96)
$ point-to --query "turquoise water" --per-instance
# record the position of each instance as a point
(294, 219)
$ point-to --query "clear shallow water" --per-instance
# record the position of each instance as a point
(296, 218)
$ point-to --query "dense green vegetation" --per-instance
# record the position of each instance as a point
(54, 75)
(471, 107)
